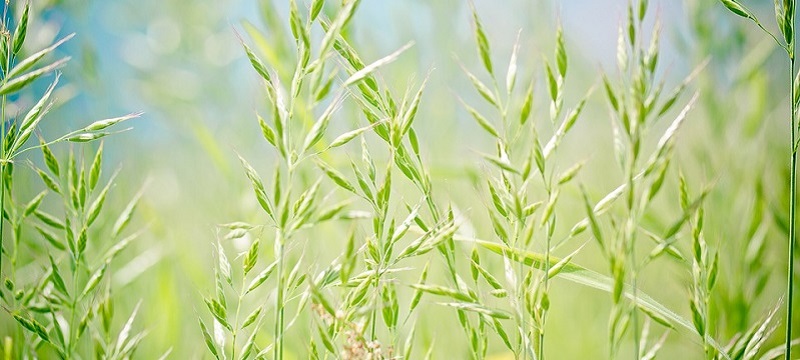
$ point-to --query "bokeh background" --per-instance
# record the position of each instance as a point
(180, 62)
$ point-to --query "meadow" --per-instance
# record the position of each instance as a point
(311, 179)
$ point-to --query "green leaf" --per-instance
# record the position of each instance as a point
(55, 277)
(335, 27)
(336, 176)
(48, 219)
(94, 280)
(570, 173)
(97, 205)
(350, 135)
(97, 164)
(668, 138)
(49, 158)
(224, 265)
(87, 137)
(610, 95)
(501, 163)
(261, 277)
(482, 89)
(33, 59)
(443, 291)
(490, 279)
(561, 52)
(105, 123)
(525, 112)
(219, 312)
(22, 29)
(32, 118)
(417, 291)
(410, 114)
(251, 318)
(33, 326)
(247, 349)
(50, 238)
(737, 8)
(125, 217)
(511, 74)
(19, 82)
(316, 7)
(251, 258)
(317, 130)
(257, 64)
(258, 186)
(209, 340)
(32, 205)
(298, 30)
(559, 266)
(371, 68)
(482, 41)
(485, 124)
(267, 131)
(480, 309)
(552, 83)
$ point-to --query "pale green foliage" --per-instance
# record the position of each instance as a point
(65, 307)
(356, 302)
(487, 193)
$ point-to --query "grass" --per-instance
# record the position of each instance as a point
(56, 310)
(502, 202)
(784, 15)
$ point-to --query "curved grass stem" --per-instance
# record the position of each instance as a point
(7, 65)
(792, 211)
(279, 305)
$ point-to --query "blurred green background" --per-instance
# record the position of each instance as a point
(181, 63)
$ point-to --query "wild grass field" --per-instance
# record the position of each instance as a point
(311, 179)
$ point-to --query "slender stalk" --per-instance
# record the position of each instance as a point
(518, 228)
(633, 208)
(73, 335)
(630, 234)
(3, 32)
(792, 210)
(2, 177)
(710, 351)
(374, 316)
(236, 318)
(549, 236)
(279, 305)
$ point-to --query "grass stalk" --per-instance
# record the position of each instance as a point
(7, 65)
(2, 178)
(236, 317)
(792, 208)
(279, 302)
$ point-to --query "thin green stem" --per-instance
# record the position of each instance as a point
(633, 213)
(3, 32)
(710, 351)
(549, 236)
(236, 318)
(550, 224)
(73, 335)
(520, 290)
(631, 235)
(2, 178)
(792, 211)
(279, 304)
(786, 48)
(60, 139)
(377, 285)
(374, 316)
